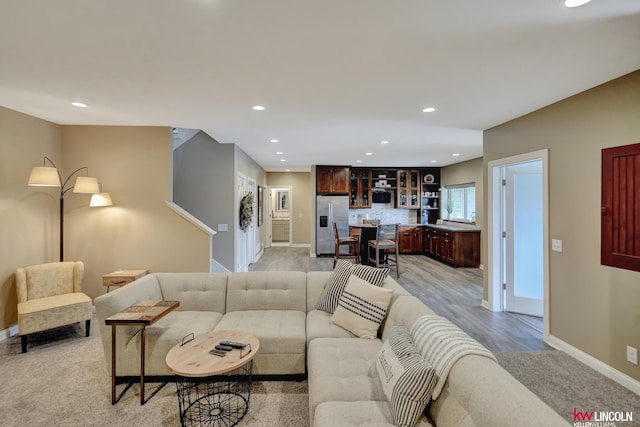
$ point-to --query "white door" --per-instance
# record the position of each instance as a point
(523, 263)
(241, 240)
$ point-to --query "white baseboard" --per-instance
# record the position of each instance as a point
(7, 333)
(300, 245)
(485, 304)
(606, 370)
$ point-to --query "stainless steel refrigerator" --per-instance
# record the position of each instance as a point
(328, 210)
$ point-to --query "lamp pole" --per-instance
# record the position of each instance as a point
(91, 186)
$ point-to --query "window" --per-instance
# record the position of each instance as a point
(620, 220)
(461, 199)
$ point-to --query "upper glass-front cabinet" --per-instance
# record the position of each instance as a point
(360, 188)
(408, 189)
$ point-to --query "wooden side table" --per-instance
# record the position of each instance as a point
(122, 277)
(213, 390)
(143, 314)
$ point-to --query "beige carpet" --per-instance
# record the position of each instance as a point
(62, 381)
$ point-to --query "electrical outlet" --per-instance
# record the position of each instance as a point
(632, 355)
(556, 245)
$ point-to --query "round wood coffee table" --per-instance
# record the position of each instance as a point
(213, 390)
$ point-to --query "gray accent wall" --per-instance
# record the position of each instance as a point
(204, 186)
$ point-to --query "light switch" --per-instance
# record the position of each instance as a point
(556, 245)
(223, 227)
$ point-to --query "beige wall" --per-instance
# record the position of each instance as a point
(139, 231)
(28, 215)
(465, 173)
(592, 307)
(301, 214)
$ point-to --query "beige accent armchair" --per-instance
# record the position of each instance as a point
(50, 295)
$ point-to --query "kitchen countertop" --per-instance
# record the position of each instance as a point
(458, 228)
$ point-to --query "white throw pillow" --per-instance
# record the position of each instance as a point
(407, 379)
(362, 307)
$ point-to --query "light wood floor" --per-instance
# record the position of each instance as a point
(454, 293)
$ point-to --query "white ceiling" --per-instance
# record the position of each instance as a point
(335, 77)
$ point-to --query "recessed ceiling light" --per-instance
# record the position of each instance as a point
(384, 142)
(575, 3)
(283, 160)
(434, 161)
(368, 154)
(455, 154)
(79, 104)
(287, 170)
(428, 110)
(279, 152)
(273, 140)
(258, 107)
(358, 161)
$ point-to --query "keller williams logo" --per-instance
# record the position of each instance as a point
(600, 418)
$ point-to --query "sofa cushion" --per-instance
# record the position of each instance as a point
(358, 414)
(159, 339)
(260, 290)
(195, 291)
(343, 370)
(278, 331)
(407, 380)
(362, 307)
(319, 325)
(338, 280)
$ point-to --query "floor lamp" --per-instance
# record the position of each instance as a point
(47, 176)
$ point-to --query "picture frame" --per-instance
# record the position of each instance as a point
(260, 210)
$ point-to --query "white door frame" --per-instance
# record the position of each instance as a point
(494, 230)
(289, 188)
(242, 241)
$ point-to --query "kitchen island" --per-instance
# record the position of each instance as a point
(451, 243)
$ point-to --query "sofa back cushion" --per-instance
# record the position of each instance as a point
(267, 290)
(404, 310)
(195, 291)
(316, 282)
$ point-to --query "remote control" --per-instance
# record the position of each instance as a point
(234, 344)
(224, 347)
(218, 352)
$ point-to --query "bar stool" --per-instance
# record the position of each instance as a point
(351, 242)
(386, 243)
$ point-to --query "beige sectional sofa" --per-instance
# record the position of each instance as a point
(297, 339)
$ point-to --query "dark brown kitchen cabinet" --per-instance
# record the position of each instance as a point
(458, 248)
(360, 188)
(410, 239)
(332, 180)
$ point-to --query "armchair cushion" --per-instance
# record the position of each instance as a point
(51, 312)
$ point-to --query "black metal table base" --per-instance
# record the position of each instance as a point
(217, 401)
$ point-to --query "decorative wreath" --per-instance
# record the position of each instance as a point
(246, 211)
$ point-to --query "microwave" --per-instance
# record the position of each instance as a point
(381, 197)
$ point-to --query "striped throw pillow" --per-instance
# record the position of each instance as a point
(335, 285)
(407, 379)
(362, 308)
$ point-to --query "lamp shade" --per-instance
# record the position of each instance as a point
(86, 184)
(100, 199)
(44, 176)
